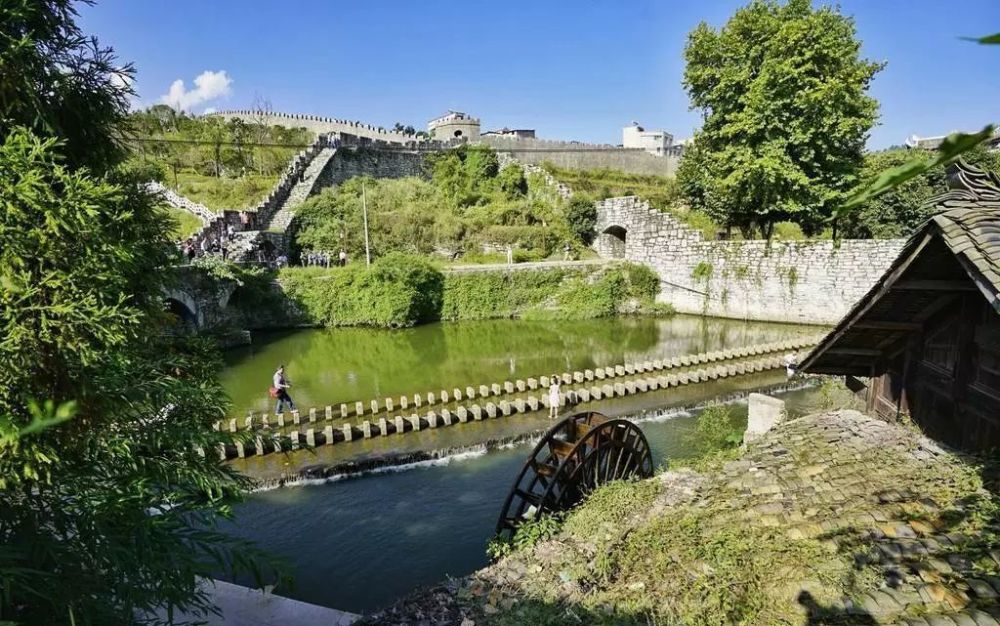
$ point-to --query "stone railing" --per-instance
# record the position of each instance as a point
(180, 202)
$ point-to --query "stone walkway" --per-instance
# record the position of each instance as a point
(282, 217)
(835, 518)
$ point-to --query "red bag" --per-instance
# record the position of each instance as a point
(273, 392)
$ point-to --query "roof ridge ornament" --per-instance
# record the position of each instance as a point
(979, 184)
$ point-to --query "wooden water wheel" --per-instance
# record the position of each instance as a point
(575, 457)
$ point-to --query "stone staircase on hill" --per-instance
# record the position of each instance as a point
(303, 189)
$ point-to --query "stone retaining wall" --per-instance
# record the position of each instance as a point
(583, 156)
(810, 282)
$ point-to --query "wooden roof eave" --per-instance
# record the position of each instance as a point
(906, 258)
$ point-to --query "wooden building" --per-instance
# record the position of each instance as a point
(927, 335)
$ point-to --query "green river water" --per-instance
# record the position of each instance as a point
(357, 543)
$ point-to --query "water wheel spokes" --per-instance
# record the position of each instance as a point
(576, 456)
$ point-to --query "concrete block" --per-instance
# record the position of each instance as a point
(414, 422)
(508, 386)
(520, 385)
(600, 374)
(348, 432)
(258, 445)
(462, 413)
(641, 385)
(400, 424)
(312, 414)
(432, 419)
(583, 395)
(431, 398)
(566, 378)
(232, 425)
(608, 391)
(532, 384)
(343, 411)
(222, 452)
(572, 397)
(630, 387)
(629, 369)
(675, 362)
(328, 435)
(544, 382)
(588, 375)
(653, 383)
(417, 400)
(476, 412)
(491, 410)
(264, 423)
(619, 389)
(248, 422)
(294, 439)
(311, 438)
(374, 405)
(673, 380)
(456, 393)
(444, 397)
(359, 408)
(610, 372)
(383, 426)
(578, 377)
(504, 408)
(470, 393)
(683, 378)
(404, 402)
(658, 364)
(216, 426)
(389, 408)
(686, 360)
(366, 429)
(329, 413)
(619, 370)
(544, 401)
(446, 417)
(295, 418)
(495, 388)
(484, 391)
(764, 413)
(532, 403)
(519, 405)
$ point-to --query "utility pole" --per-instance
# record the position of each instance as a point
(364, 207)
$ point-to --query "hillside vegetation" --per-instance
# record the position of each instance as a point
(470, 209)
(221, 163)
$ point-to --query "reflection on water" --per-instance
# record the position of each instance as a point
(331, 366)
(359, 543)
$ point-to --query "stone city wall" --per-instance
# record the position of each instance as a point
(809, 282)
(315, 123)
(180, 202)
(583, 156)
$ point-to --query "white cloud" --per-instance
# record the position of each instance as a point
(208, 85)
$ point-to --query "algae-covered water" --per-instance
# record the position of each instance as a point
(330, 366)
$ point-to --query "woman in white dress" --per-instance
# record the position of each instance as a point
(554, 397)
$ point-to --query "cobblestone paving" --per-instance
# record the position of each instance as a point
(917, 520)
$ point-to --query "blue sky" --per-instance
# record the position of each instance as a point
(571, 69)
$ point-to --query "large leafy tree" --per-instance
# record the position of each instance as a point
(783, 90)
(109, 514)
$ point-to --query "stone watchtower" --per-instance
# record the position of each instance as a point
(454, 125)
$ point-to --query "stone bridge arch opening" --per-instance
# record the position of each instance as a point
(611, 242)
(186, 320)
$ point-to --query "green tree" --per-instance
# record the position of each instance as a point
(111, 512)
(783, 90)
(582, 217)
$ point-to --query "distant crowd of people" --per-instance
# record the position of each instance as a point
(312, 258)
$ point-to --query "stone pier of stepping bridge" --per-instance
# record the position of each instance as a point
(517, 397)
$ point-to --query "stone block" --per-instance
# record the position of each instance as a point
(444, 396)
(470, 393)
(544, 382)
(673, 380)
(222, 452)
(610, 372)
(583, 395)
(520, 385)
(619, 389)
(476, 412)
(328, 435)
(432, 419)
(295, 418)
(567, 378)
(359, 408)
(404, 402)
(532, 384)
(640, 385)
(683, 378)
(414, 422)
(588, 375)
(629, 369)
(457, 394)
(653, 383)
(264, 423)
(675, 362)
(389, 408)
(366, 429)
(343, 411)
(348, 432)
(446, 417)
(532, 403)
(248, 422)
(374, 405)
(258, 445)
(519, 405)
(462, 413)
(504, 408)
(608, 391)
(312, 414)
(232, 425)
(400, 424)
(491, 410)
(763, 414)
(311, 438)
(619, 370)
(431, 398)
(495, 388)
(417, 401)
(329, 413)
(293, 438)
(484, 391)
(508, 386)
(600, 374)
(383, 426)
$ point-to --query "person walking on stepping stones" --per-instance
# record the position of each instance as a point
(554, 397)
(279, 391)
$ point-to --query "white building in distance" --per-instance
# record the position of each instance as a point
(656, 142)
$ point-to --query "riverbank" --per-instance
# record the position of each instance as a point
(833, 518)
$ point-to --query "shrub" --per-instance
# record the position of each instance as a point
(582, 217)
